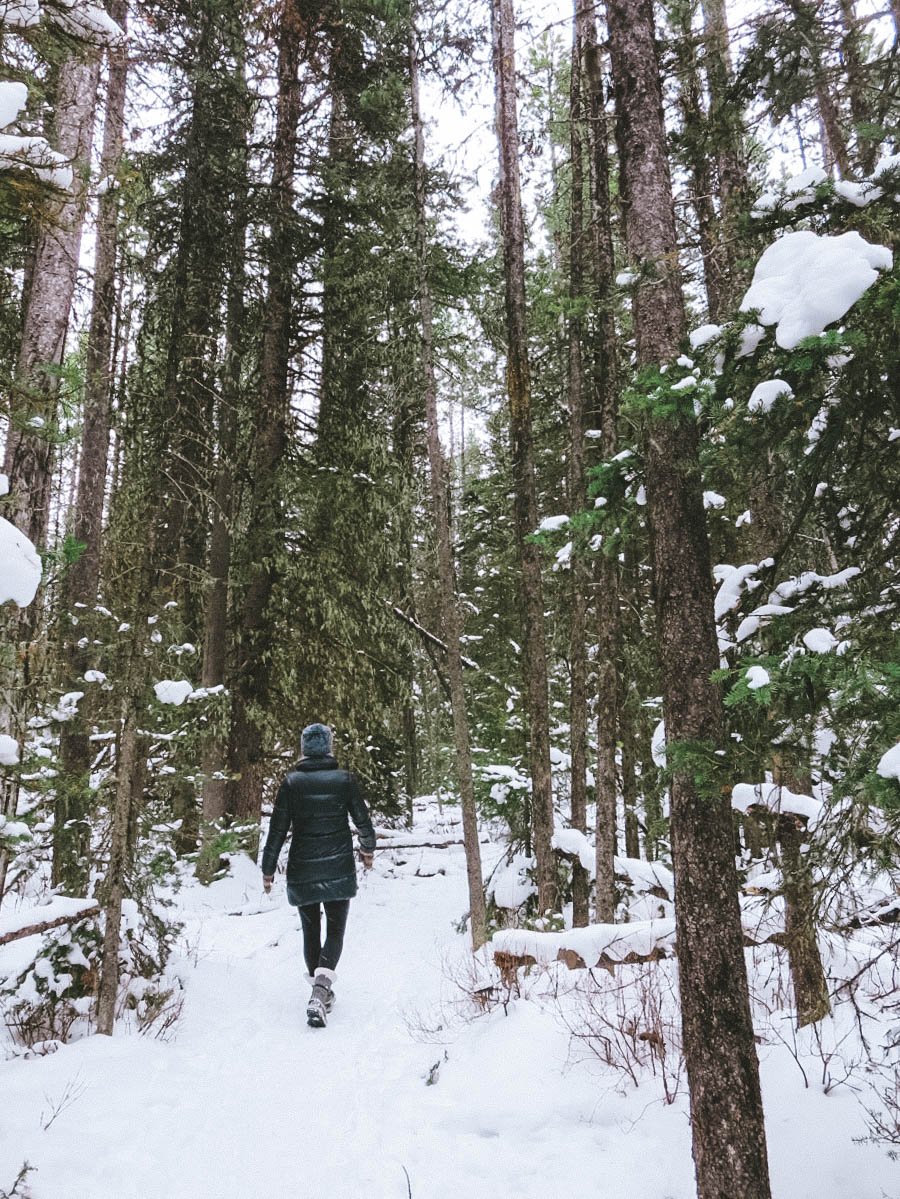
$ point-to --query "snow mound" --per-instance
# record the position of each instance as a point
(510, 885)
(804, 282)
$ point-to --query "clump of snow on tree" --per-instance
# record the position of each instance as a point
(757, 677)
(29, 153)
(172, 691)
(790, 193)
(766, 393)
(573, 841)
(703, 334)
(712, 499)
(800, 584)
(9, 750)
(658, 744)
(550, 524)
(804, 282)
(67, 706)
(889, 765)
(820, 641)
(20, 566)
(510, 885)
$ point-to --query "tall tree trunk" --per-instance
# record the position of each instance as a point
(723, 1073)
(28, 460)
(579, 576)
(450, 615)
(29, 450)
(852, 54)
(200, 268)
(216, 640)
(262, 546)
(518, 386)
(602, 411)
(811, 999)
(726, 135)
(696, 144)
(71, 832)
(114, 886)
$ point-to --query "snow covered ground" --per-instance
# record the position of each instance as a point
(244, 1100)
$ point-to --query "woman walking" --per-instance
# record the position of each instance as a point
(313, 804)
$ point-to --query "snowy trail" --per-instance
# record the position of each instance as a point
(247, 1101)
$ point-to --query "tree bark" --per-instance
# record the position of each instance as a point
(811, 997)
(727, 137)
(29, 450)
(726, 1108)
(518, 387)
(602, 409)
(579, 575)
(114, 884)
(451, 620)
(71, 832)
(852, 55)
(695, 136)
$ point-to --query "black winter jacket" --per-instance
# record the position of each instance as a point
(313, 804)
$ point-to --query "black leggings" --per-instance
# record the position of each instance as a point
(315, 953)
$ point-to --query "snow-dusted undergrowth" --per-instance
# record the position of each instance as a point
(430, 1065)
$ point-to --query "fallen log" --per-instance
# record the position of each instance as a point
(509, 963)
(418, 844)
(43, 926)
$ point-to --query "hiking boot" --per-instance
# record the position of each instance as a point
(321, 1001)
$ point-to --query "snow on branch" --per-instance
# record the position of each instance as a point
(28, 153)
(61, 910)
(772, 797)
(804, 282)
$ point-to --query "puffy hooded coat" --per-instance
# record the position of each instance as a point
(313, 805)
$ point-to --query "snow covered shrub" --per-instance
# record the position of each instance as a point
(53, 997)
(630, 1020)
(20, 1188)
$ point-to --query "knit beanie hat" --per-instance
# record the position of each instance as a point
(315, 741)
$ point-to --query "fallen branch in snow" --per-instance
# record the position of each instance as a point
(417, 844)
(884, 912)
(42, 926)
